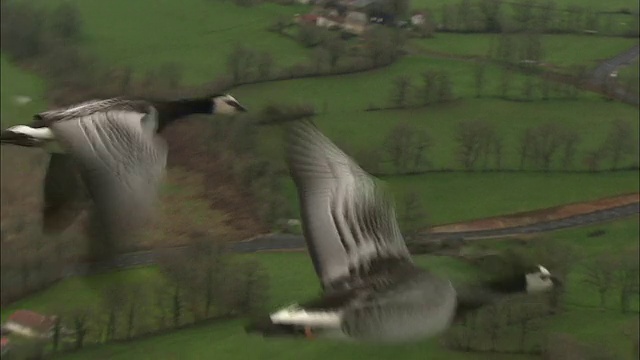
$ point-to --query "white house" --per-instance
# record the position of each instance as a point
(30, 324)
(355, 22)
(418, 19)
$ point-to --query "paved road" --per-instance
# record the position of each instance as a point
(290, 242)
(601, 74)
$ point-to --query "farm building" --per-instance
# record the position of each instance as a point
(30, 324)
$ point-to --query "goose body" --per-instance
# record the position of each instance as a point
(112, 156)
(372, 290)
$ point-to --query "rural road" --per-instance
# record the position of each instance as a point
(601, 74)
(279, 242)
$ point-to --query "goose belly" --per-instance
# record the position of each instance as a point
(402, 321)
(54, 147)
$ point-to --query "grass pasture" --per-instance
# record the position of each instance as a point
(454, 197)
(558, 50)
(197, 35)
(612, 5)
(17, 82)
(629, 75)
(292, 279)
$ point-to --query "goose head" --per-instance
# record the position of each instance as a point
(226, 104)
(540, 280)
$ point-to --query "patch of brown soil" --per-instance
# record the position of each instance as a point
(531, 217)
(188, 148)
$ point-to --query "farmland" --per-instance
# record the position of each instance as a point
(229, 339)
(228, 193)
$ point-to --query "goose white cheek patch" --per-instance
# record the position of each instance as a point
(302, 317)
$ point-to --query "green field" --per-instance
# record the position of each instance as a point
(292, 279)
(629, 75)
(197, 35)
(16, 82)
(558, 50)
(457, 197)
(612, 5)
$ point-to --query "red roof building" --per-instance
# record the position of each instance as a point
(30, 323)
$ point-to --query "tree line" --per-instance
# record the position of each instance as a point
(480, 146)
(199, 283)
(495, 16)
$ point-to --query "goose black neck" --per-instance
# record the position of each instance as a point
(169, 111)
(509, 285)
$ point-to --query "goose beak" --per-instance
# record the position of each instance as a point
(556, 282)
(241, 108)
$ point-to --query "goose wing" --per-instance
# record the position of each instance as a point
(121, 162)
(349, 222)
(64, 194)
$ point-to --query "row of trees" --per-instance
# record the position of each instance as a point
(481, 146)
(199, 283)
(609, 274)
(544, 17)
(435, 87)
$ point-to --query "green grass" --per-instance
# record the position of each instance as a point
(560, 4)
(629, 75)
(195, 34)
(453, 197)
(558, 50)
(17, 82)
(356, 92)
(293, 279)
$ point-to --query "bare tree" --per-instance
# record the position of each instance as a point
(547, 140)
(594, 158)
(236, 62)
(445, 87)
(401, 88)
(571, 139)
(527, 313)
(479, 77)
(493, 323)
(492, 18)
(249, 292)
(627, 278)
(474, 138)
(383, 44)
(406, 146)
(114, 301)
(66, 22)
(526, 145)
(336, 49)
(498, 146)
(414, 212)
(80, 319)
(506, 77)
(429, 87)
(600, 274)
(621, 142)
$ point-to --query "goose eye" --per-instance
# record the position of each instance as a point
(544, 277)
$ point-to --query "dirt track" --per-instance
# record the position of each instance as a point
(536, 216)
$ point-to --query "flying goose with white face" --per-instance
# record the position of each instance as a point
(110, 152)
(372, 290)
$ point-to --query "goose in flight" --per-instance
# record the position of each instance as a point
(110, 155)
(371, 289)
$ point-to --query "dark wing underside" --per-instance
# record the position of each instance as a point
(349, 222)
(65, 195)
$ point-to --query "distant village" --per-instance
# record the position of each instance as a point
(355, 16)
